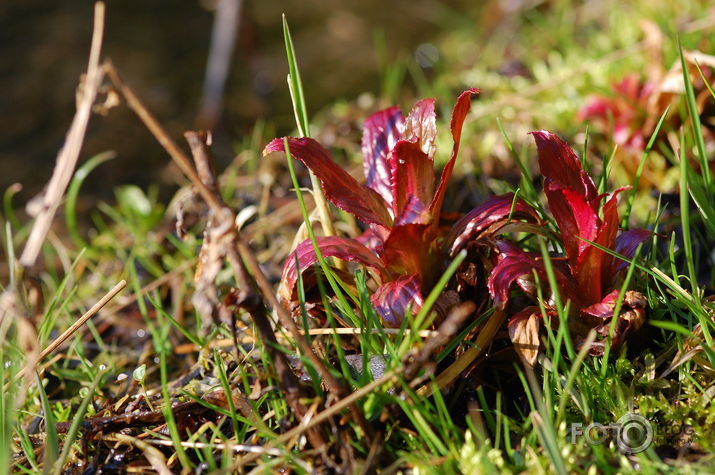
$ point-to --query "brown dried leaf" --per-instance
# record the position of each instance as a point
(524, 333)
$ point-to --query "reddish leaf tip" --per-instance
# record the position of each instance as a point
(275, 145)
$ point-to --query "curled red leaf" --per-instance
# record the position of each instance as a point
(560, 165)
(630, 318)
(593, 266)
(575, 218)
(459, 114)
(495, 210)
(408, 250)
(421, 126)
(381, 131)
(393, 299)
(524, 333)
(412, 174)
(517, 266)
(333, 246)
(339, 187)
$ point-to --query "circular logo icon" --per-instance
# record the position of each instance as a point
(635, 434)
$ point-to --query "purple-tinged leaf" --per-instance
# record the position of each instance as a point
(461, 109)
(495, 210)
(414, 212)
(524, 333)
(412, 174)
(559, 164)
(332, 246)
(421, 126)
(393, 299)
(513, 264)
(626, 244)
(380, 134)
(373, 238)
(339, 187)
(517, 266)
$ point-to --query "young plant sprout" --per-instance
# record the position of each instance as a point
(589, 277)
(400, 202)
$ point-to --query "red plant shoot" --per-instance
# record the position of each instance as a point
(400, 202)
(589, 276)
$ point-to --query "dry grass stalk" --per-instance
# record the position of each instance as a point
(484, 338)
(45, 206)
(217, 239)
(57, 342)
(437, 339)
(258, 449)
(227, 19)
(218, 245)
(389, 377)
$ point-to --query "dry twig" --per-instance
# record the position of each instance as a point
(44, 207)
(76, 325)
(218, 245)
(227, 19)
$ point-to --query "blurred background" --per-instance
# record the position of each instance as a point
(533, 59)
(161, 48)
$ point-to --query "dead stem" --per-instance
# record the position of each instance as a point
(218, 245)
(202, 445)
(446, 330)
(152, 454)
(227, 20)
(75, 326)
(46, 205)
(176, 154)
(484, 338)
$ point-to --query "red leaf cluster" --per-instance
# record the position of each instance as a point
(627, 109)
(589, 275)
(400, 202)
(405, 249)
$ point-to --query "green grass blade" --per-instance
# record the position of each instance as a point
(695, 119)
(76, 423)
(685, 220)
(606, 171)
(526, 179)
(641, 166)
(296, 84)
(52, 443)
(8, 208)
(617, 309)
(562, 311)
(705, 80)
(73, 192)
